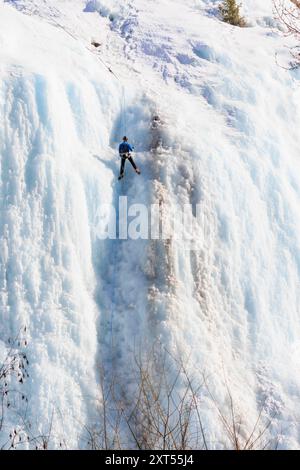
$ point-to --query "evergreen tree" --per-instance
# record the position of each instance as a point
(230, 12)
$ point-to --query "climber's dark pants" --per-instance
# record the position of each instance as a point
(123, 160)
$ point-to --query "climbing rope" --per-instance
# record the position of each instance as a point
(123, 110)
(95, 44)
(124, 129)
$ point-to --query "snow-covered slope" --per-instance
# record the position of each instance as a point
(215, 122)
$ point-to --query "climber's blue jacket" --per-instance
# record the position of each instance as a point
(125, 147)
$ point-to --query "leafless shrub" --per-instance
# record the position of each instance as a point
(14, 402)
(232, 421)
(163, 412)
(288, 13)
(107, 434)
(13, 373)
(161, 409)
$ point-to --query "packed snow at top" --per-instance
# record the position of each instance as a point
(214, 119)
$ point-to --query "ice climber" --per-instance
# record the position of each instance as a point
(124, 150)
